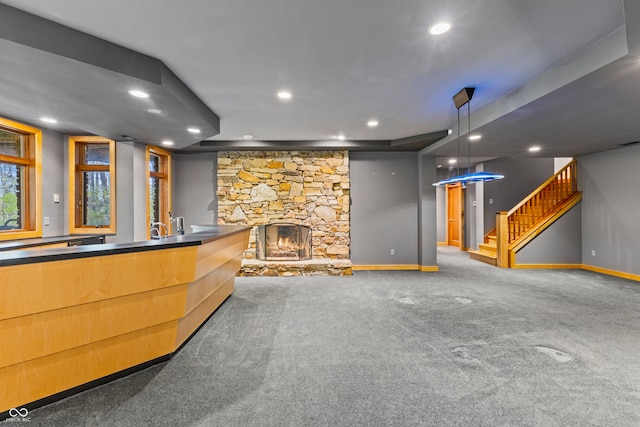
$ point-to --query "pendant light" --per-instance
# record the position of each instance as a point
(460, 99)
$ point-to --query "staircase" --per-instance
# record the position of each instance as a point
(536, 212)
(487, 251)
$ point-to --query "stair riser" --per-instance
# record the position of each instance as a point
(486, 259)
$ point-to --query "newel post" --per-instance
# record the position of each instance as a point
(502, 239)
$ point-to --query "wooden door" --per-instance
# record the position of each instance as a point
(455, 195)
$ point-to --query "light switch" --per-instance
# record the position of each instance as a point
(56, 198)
(46, 220)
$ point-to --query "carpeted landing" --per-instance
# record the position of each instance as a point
(471, 345)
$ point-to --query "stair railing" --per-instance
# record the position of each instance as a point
(534, 208)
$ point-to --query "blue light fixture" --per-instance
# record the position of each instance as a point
(459, 99)
(470, 178)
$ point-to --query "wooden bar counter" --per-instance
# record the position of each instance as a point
(72, 316)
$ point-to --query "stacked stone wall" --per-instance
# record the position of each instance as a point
(307, 187)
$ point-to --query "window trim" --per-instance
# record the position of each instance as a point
(165, 184)
(73, 171)
(33, 186)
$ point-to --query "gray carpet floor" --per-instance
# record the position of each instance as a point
(471, 345)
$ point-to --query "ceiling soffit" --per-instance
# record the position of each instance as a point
(83, 82)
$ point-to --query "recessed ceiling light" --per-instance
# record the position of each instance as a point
(452, 161)
(372, 123)
(153, 111)
(138, 93)
(474, 137)
(439, 166)
(534, 148)
(247, 136)
(168, 143)
(283, 94)
(440, 28)
(340, 137)
(193, 130)
(48, 120)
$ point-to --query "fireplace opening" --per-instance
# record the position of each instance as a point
(283, 242)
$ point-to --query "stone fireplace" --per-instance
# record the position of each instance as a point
(300, 188)
(283, 242)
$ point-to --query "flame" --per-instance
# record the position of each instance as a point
(285, 243)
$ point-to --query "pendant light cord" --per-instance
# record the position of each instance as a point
(469, 138)
(458, 160)
(459, 99)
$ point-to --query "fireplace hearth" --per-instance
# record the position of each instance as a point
(283, 242)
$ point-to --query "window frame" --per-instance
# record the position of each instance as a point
(32, 188)
(75, 172)
(165, 186)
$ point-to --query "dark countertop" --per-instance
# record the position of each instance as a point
(18, 257)
(12, 245)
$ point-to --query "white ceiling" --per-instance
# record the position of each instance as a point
(348, 61)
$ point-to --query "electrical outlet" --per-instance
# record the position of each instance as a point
(393, 251)
(593, 252)
(490, 201)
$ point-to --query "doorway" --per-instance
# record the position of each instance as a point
(455, 215)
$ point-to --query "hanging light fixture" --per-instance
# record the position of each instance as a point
(459, 99)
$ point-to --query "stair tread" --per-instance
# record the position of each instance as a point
(487, 247)
(484, 253)
(483, 257)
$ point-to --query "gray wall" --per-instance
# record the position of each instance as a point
(477, 226)
(473, 215)
(193, 191)
(384, 204)
(194, 188)
(610, 183)
(54, 182)
(561, 243)
(384, 208)
(130, 188)
(140, 192)
(130, 193)
(521, 177)
(441, 199)
(560, 162)
(427, 227)
(470, 240)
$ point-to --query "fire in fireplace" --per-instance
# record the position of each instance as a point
(283, 242)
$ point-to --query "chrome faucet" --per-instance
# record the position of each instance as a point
(155, 227)
(179, 220)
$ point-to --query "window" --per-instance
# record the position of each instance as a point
(92, 198)
(20, 181)
(159, 186)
